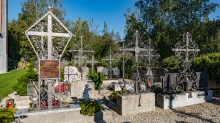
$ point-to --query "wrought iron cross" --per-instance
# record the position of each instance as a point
(137, 50)
(49, 34)
(110, 61)
(151, 56)
(80, 52)
(190, 49)
(93, 61)
(50, 59)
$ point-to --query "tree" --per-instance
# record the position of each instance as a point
(168, 20)
(31, 11)
(133, 24)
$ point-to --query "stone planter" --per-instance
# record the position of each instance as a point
(132, 103)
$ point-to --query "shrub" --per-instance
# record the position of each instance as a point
(157, 90)
(89, 108)
(114, 94)
(98, 79)
(21, 86)
(172, 61)
(7, 115)
(209, 63)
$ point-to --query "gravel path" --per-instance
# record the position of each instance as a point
(208, 112)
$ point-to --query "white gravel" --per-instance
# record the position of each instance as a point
(208, 112)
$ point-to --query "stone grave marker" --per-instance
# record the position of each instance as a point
(86, 93)
(202, 80)
(71, 74)
(116, 71)
(169, 82)
(105, 71)
(85, 72)
(99, 69)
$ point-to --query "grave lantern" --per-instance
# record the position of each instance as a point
(30, 89)
(150, 80)
(67, 86)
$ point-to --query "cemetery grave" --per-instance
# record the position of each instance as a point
(130, 98)
(186, 87)
(80, 99)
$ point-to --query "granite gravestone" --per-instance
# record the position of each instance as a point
(169, 82)
(202, 80)
(105, 71)
(116, 71)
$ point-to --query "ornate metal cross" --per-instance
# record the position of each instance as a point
(80, 56)
(137, 50)
(110, 62)
(151, 57)
(49, 35)
(189, 49)
(49, 54)
(93, 61)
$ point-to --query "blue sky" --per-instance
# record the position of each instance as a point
(110, 11)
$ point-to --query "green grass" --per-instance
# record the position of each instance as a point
(7, 80)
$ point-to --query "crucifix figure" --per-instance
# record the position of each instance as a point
(137, 50)
(189, 49)
(81, 52)
(49, 56)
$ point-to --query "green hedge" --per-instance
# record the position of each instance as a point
(21, 86)
(209, 63)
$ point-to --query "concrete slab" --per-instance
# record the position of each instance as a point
(59, 115)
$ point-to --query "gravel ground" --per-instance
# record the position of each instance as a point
(208, 112)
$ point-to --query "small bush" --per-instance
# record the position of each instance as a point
(7, 115)
(98, 79)
(89, 108)
(157, 90)
(114, 94)
(21, 86)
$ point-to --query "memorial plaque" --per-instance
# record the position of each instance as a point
(49, 69)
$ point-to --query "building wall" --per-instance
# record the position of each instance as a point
(4, 37)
